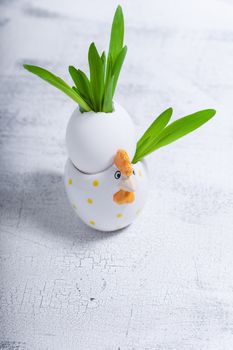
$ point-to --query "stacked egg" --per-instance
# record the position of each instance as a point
(92, 178)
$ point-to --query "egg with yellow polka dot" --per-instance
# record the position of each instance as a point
(111, 199)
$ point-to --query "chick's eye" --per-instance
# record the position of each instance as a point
(133, 171)
(117, 174)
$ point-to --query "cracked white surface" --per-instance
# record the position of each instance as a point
(167, 281)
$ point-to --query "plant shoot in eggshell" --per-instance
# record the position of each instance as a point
(106, 175)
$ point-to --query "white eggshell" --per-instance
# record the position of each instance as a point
(93, 139)
(91, 196)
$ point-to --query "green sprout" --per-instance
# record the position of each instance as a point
(159, 134)
(94, 94)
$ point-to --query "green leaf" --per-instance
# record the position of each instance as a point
(154, 129)
(117, 67)
(158, 125)
(103, 59)
(178, 129)
(74, 75)
(96, 77)
(83, 97)
(58, 83)
(184, 126)
(117, 34)
(115, 47)
(82, 84)
(107, 105)
(107, 102)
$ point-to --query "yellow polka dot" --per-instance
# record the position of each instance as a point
(139, 173)
(95, 183)
(89, 201)
(92, 222)
(119, 216)
(74, 206)
(70, 181)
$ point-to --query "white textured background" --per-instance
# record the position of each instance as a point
(165, 283)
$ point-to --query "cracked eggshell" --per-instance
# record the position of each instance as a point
(91, 196)
(93, 139)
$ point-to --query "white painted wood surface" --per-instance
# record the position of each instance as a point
(167, 281)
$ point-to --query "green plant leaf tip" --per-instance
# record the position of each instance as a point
(159, 134)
